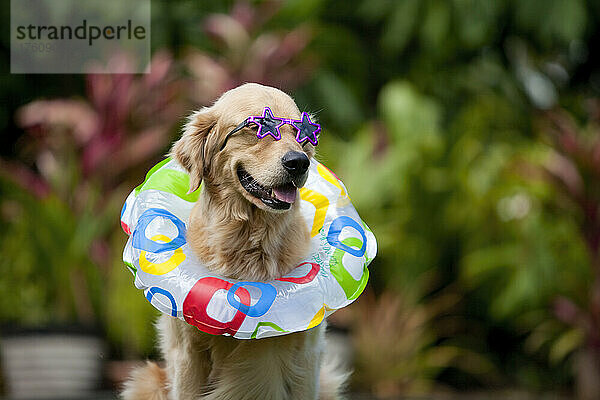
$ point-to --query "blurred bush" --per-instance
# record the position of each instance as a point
(60, 199)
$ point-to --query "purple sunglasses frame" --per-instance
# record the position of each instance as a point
(283, 121)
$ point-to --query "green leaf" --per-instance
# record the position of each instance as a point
(568, 342)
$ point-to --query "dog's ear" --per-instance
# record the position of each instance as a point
(191, 150)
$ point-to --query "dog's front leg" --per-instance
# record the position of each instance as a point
(187, 358)
(307, 364)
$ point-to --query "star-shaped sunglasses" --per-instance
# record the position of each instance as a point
(306, 130)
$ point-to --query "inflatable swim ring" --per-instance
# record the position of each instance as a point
(173, 280)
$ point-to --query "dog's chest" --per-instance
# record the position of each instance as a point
(275, 368)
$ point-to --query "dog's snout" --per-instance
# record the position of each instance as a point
(295, 162)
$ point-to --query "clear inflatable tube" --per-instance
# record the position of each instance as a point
(174, 281)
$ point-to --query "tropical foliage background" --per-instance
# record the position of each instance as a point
(467, 132)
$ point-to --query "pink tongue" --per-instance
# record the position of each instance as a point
(286, 193)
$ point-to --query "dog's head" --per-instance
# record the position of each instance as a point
(265, 172)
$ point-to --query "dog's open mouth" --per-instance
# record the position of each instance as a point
(278, 197)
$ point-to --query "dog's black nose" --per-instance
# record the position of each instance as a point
(295, 162)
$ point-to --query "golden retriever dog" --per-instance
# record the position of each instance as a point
(245, 225)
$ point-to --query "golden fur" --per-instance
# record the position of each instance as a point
(238, 236)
